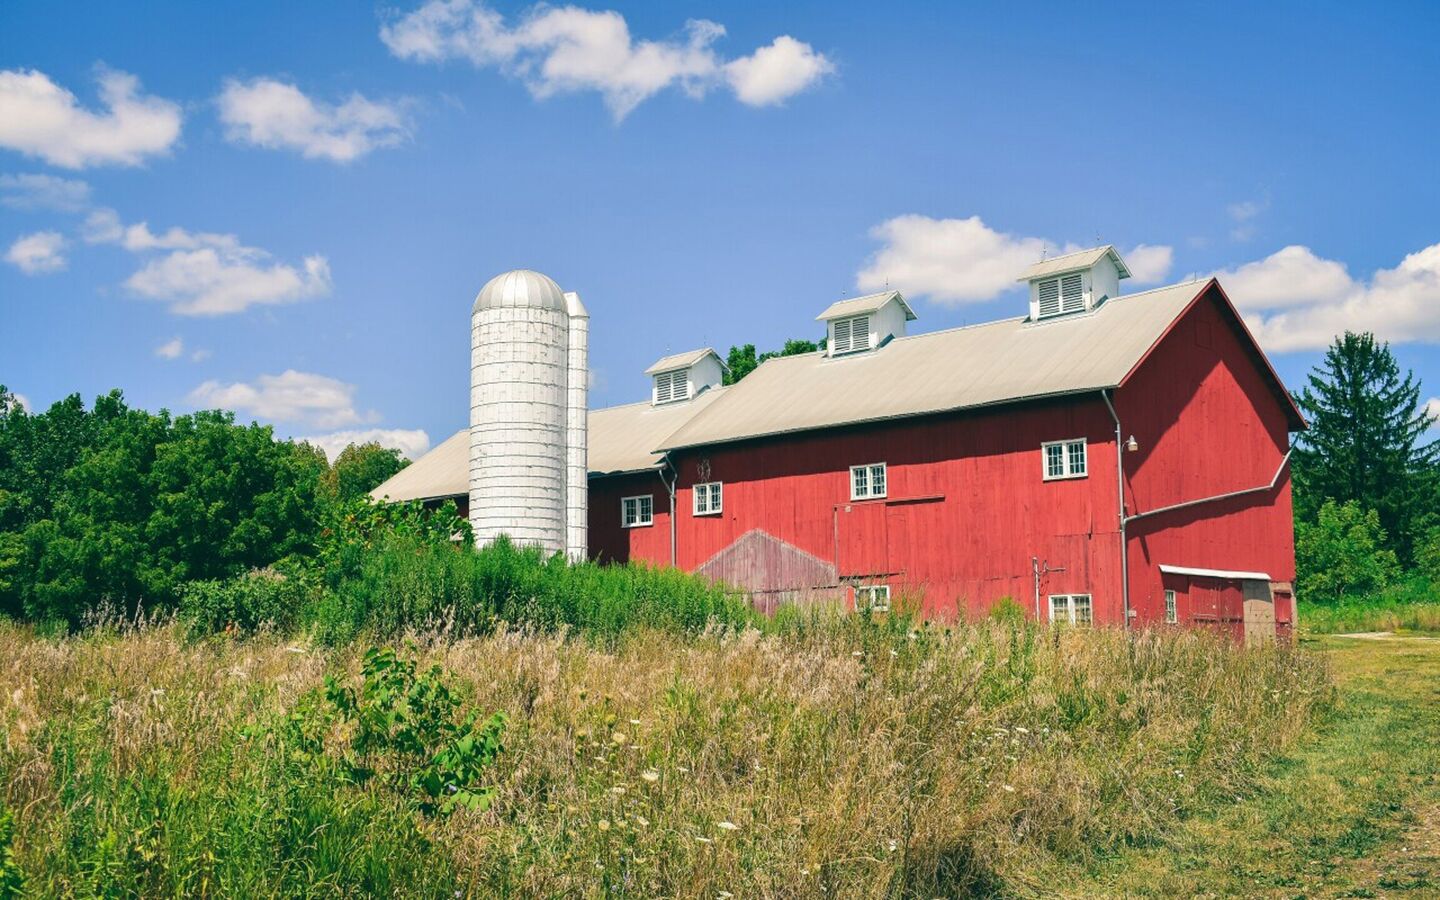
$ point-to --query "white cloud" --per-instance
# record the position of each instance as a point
(38, 254)
(952, 261)
(171, 349)
(42, 119)
(43, 192)
(207, 274)
(1149, 264)
(772, 74)
(1244, 214)
(276, 115)
(314, 400)
(103, 226)
(200, 355)
(1296, 300)
(412, 443)
(210, 282)
(568, 49)
(1432, 407)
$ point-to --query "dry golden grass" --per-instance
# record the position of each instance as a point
(836, 758)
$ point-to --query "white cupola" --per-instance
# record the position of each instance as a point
(864, 323)
(1075, 282)
(683, 375)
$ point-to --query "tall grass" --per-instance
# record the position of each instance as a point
(838, 756)
(1413, 604)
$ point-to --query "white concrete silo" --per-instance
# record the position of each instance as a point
(577, 489)
(520, 423)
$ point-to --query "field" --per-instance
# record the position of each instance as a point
(832, 758)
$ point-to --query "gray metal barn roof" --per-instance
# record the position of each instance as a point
(869, 303)
(978, 365)
(1070, 262)
(622, 439)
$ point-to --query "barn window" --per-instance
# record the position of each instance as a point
(637, 511)
(872, 597)
(672, 386)
(1061, 295)
(1172, 615)
(1070, 609)
(848, 335)
(867, 481)
(707, 498)
(1064, 459)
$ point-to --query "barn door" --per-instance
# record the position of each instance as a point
(860, 537)
(1259, 612)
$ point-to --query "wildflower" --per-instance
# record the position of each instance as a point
(856, 653)
(634, 721)
(1022, 730)
(644, 822)
(704, 840)
(619, 738)
(650, 775)
(603, 825)
(618, 789)
(727, 826)
(724, 895)
(1008, 789)
(892, 845)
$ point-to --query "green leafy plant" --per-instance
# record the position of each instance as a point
(1341, 554)
(12, 880)
(406, 730)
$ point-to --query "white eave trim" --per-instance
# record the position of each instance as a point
(1214, 573)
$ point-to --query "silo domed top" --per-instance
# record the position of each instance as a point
(520, 288)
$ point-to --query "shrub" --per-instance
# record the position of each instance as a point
(1427, 555)
(1006, 609)
(1340, 553)
(243, 604)
(405, 731)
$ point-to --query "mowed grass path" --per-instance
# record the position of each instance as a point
(1355, 812)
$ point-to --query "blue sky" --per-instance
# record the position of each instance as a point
(286, 209)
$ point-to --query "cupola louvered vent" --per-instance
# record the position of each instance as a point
(1072, 296)
(672, 386)
(1074, 283)
(851, 334)
(1061, 295)
(1050, 298)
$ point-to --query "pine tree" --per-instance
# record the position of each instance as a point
(1365, 442)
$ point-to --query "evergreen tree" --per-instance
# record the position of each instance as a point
(1365, 442)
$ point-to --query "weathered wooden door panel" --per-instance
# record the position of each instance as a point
(862, 546)
(1259, 612)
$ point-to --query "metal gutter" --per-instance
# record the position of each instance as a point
(1218, 497)
(1120, 493)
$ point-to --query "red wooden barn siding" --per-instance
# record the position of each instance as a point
(1208, 421)
(967, 506)
(609, 540)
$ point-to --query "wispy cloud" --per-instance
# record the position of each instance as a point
(268, 113)
(44, 192)
(566, 49)
(171, 349)
(1243, 214)
(38, 254)
(959, 261)
(316, 401)
(42, 119)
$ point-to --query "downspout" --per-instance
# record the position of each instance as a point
(1120, 495)
(670, 485)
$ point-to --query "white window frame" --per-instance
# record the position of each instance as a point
(677, 385)
(869, 491)
(1067, 601)
(708, 498)
(1067, 462)
(876, 597)
(1172, 610)
(639, 522)
(851, 344)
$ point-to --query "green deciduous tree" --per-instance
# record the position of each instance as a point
(1342, 553)
(360, 468)
(1366, 441)
(741, 361)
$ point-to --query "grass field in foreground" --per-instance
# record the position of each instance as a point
(1352, 812)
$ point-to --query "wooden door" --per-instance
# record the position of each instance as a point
(1259, 612)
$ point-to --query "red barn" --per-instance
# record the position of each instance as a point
(1108, 458)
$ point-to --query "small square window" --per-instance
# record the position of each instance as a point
(868, 481)
(872, 597)
(1070, 609)
(707, 497)
(636, 512)
(1172, 614)
(1064, 459)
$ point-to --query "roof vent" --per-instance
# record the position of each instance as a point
(683, 375)
(1075, 282)
(865, 323)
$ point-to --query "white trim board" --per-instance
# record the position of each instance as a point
(1214, 573)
